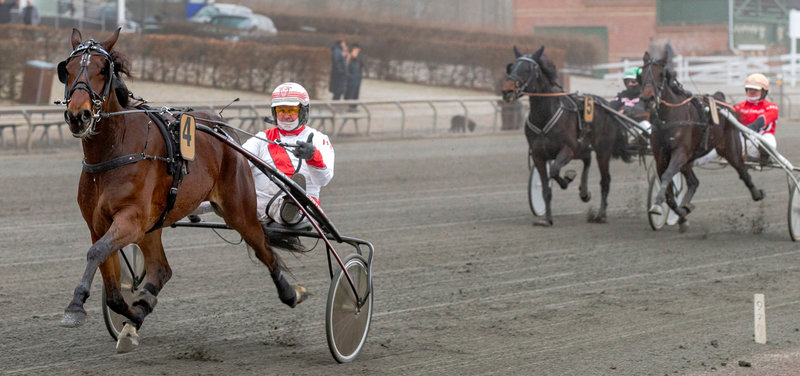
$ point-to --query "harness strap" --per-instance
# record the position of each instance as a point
(547, 127)
(113, 163)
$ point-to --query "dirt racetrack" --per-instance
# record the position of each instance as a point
(465, 283)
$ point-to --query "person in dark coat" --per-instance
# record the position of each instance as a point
(355, 67)
(338, 79)
(5, 10)
(30, 15)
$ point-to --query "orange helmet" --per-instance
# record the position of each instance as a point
(757, 81)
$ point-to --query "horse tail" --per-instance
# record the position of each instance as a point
(620, 148)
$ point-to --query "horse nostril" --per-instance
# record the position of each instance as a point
(85, 116)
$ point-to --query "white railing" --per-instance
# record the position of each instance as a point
(726, 70)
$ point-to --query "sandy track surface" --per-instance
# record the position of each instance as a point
(465, 281)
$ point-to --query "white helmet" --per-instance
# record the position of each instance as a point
(757, 81)
(291, 94)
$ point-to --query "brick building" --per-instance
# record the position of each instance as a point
(627, 28)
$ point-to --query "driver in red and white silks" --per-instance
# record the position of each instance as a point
(290, 109)
(757, 112)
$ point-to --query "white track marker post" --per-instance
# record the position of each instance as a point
(760, 318)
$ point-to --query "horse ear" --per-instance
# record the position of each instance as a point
(646, 57)
(76, 38)
(109, 43)
(516, 52)
(538, 54)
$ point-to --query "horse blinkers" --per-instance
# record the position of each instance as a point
(514, 85)
(62, 72)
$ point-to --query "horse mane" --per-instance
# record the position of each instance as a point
(548, 68)
(674, 85)
(121, 66)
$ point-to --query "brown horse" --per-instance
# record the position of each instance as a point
(125, 187)
(557, 129)
(683, 132)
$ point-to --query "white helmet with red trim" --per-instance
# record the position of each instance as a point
(291, 94)
(757, 81)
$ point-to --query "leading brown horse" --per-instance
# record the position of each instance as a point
(683, 132)
(128, 175)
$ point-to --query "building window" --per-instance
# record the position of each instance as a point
(692, 12)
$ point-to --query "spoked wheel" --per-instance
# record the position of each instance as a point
(535, 196)
(668, 216)
(794, 211)
(131, 276)
(347, 325)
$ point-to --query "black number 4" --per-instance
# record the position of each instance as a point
(187, 135)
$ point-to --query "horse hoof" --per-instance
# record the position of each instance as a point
(760, 196)
(73, 318)
(301, 294)
(656, 210)
(585, 197)
(683, 227)
(570, 175)
(128, 339)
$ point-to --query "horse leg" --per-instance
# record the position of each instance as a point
(692, 183)
(157, 273)
(736, 161)
(237, 203)
(563, 157)
(121, 233)
(678, 159)
(584, 187)
(603, 159)
(547, 192)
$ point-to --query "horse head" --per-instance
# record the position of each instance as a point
(653, 79)
(523, 75)
(87, 74)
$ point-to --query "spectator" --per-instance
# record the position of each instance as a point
(355, 66)
(5, 10)
(30, 15)
(338, 79)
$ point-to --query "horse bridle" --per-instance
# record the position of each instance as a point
(648, 73)
(86, 51)
(519, 86)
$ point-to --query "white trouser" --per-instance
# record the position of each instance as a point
(643, 125)
(751, 149)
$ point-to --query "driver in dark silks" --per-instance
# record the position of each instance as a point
(290, 109)
(628, 102)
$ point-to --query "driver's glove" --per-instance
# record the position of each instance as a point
(757, 124)
(305, 149)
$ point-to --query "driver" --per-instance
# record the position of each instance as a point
(628, 102)
(758, 113)
(290, 109)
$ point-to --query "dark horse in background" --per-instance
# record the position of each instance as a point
(126, 182)
(683, 131)
(557, 130)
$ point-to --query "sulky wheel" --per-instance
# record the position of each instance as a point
(535, 196)
(668, 217)
(131, 260)
(347, 325)
(657, 221)
(794, 212)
